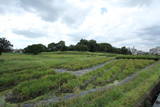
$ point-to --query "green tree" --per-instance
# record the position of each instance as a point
(81, 47)
(35, 49)
(52, 47)
(92, 45)
(124, 50)
(5, 45)
(104, 47)
(71, 48)
(61, 46)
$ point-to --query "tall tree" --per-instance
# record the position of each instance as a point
(5, 45)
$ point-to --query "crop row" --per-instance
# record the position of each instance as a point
(126, 95)
(21, 62)
(138, 57)
(33, 88)
(10, 80)
(116, 70)
(84, 63)
(40, 81)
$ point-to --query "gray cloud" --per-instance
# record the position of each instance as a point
(8, 6)
(115, 27)
(53, 10)
(148, 36)
(29, 34)
(150, 33)
(49, 10)
(131, 3)
(153, 30)
(138, 2)
(74, 17)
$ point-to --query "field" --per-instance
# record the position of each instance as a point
(50, 79)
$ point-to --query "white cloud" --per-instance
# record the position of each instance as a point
(119, 22)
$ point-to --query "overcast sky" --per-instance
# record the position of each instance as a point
(119, 22)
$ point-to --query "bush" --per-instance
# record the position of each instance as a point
(35, 49)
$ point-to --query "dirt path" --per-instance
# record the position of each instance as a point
(86, 70)
(70, 96)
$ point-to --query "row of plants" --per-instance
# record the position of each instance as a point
(121, 71)
(10, 80)
(84, 63)
(83, 53)
(148, 57)
(41, 82)
(116, 70)
(33, 88)
(16, 62)
(126, 95)
(83, 81)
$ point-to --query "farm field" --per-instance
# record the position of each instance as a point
(28, 80)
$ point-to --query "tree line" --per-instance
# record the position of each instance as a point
(82, 45)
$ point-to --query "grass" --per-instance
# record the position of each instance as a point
(117, 70)
(148, 57)
(18, 62)
(33, 88)
(29, 77)
(126, 95)
(84, 63)
(12, 79)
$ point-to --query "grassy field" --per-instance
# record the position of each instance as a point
(31, 78)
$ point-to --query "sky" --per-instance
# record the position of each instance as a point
(130, 23)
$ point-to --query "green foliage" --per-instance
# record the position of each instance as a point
(5, 45)
(60, 46)
(35, 49)
(87, 45)
(104, 47)
(124, 50)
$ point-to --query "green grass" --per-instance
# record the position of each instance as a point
(29, 77)
(117, 70)
(147, 57)
(12, 79)
(17, 62)
(127, 95)
(33, 88)
(84, 63)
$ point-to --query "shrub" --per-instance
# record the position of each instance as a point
(35, 49)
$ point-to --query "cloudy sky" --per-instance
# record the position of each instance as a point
(119, 22)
